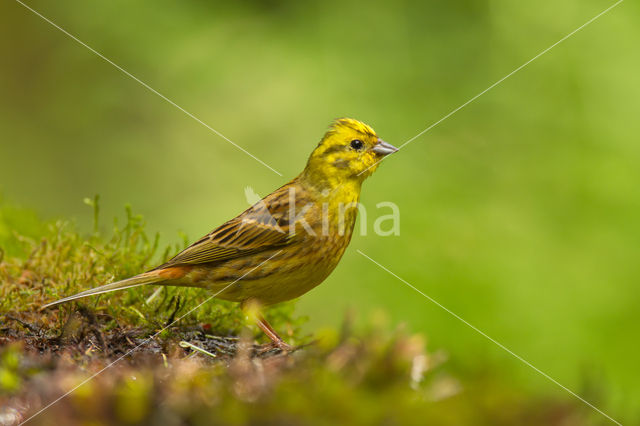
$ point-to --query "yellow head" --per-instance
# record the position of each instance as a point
(349, 152)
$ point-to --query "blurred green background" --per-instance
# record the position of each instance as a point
(520, 213)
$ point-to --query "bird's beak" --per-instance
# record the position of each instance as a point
(383, 148)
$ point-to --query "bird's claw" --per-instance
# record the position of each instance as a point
(281, 345)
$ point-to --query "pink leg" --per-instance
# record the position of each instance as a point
(271, 334)
(276, 340)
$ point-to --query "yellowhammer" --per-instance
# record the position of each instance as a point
(287, 243)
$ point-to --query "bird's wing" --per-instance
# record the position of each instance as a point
(262, 227)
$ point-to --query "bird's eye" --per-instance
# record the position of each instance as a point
(357, 144)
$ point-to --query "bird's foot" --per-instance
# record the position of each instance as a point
(281, 345)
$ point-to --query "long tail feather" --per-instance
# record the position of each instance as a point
(138, 280)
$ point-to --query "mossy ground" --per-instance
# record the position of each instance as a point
(124, 359)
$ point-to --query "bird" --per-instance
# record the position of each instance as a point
(286, 243)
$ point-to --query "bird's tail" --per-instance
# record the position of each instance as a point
(151, 277)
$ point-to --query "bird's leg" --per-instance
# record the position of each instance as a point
(271, 334)
(252, 307)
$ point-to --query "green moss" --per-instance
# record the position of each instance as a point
(61, 261)
(124, 366)
(10, 379)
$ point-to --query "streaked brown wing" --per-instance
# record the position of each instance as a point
(261, 227)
